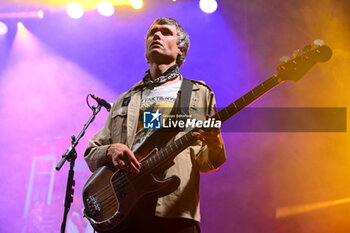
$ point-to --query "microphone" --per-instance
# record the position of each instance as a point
(102, 102)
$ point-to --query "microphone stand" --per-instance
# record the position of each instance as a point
(70, 156)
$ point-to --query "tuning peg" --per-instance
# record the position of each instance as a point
(284, 59)
(307, 48)
(319, 42)
(296, 53)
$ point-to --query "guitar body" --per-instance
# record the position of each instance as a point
(112, 197)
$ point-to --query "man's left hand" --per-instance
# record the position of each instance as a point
(211, 138)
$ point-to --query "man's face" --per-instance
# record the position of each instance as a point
(161, 44)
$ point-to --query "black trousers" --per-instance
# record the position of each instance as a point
(164, 225)
(145, 222)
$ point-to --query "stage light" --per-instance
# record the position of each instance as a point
(75, 10)
(137, 4)
(20, 26)
(208, 6)
(105, 8)
(41, 14)
(3, 28)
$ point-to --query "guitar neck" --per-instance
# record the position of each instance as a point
(169, 152)
(247, 99)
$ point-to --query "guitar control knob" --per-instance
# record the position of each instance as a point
(284, 59)
(296, 53)
(319, 42)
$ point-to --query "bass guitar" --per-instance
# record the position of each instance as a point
(112, 196)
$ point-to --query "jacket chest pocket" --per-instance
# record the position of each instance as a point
(119, 119)
(197, 108)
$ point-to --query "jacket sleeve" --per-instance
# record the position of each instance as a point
(209, 162)
(96, 153)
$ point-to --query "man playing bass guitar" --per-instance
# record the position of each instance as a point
(166, 45)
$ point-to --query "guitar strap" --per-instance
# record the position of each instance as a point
(182, 106)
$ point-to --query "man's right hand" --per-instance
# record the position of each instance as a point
(123, 158)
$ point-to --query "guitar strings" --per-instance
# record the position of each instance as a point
(273, 78)
(134, 177)
(124, 179)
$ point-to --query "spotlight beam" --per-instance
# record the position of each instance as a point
(288, 211)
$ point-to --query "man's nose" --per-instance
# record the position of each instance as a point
(157, 35)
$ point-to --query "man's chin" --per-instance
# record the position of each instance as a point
(160, 58)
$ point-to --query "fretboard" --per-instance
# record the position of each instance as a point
(169, 152)
(246, 99)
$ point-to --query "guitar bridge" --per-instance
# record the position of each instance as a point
(94, 205)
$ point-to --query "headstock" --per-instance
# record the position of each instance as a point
(294, 69)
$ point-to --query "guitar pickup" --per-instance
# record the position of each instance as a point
(94, 205)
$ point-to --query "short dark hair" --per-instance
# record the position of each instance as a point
(183, 42)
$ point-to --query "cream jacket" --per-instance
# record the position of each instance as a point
(121, 126)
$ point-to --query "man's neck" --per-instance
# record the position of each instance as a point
(157, 69)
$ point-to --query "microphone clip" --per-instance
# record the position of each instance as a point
(101, 102)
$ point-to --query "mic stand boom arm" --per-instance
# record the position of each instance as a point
(71, 155)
